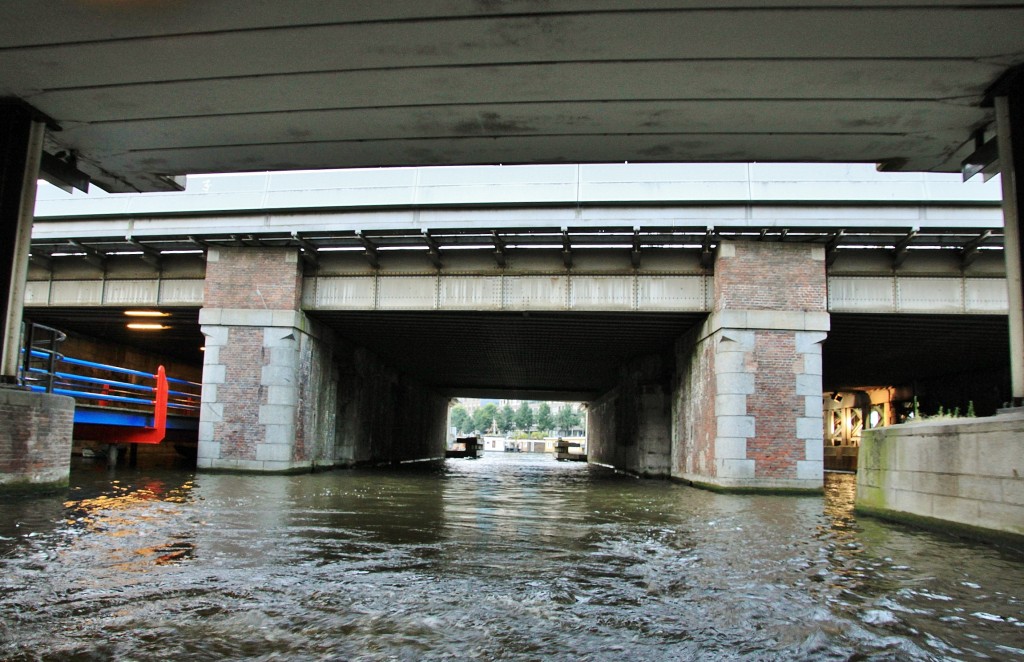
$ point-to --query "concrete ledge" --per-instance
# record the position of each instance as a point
(253, 317)
(793, 487)
(944, 526)
(207, 465)
(767, 320)
(963, 474)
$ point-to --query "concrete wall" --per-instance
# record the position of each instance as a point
(35, 440)
(630, 427)
(747, 411)
(960, 473)
(384, 417)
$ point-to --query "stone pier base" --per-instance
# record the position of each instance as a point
(35, 440)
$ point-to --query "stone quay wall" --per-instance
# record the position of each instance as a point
(960, 474)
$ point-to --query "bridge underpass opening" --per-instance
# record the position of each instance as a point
(623, 365)
(883, 369)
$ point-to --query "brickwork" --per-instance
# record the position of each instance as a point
(749, 409)
(240, 359)
(35, 440)
(253, 278)
(775, 406)
(770, 276)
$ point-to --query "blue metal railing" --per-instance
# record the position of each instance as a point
(103, 390)
(44, 369)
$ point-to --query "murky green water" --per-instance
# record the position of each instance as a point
(508, 557)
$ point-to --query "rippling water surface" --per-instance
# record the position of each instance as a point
(507, 557)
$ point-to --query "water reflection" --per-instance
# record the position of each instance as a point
(509, 557)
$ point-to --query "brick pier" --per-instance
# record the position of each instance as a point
(281, 393)
(35, 440)
(748, 396)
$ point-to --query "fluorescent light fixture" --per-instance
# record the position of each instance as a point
(146, 313)
(140, 326)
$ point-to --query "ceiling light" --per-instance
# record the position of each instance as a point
(139, 326)
(146, 313)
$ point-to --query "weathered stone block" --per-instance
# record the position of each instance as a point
(211, 354)
(808, 385)
(216, 335)
(812, 364)
(279, 434)
(277, 415)
(246, 317)
(810, 428)
(282, 395)
(274, 452)
(280, 336)
(810, 470)
(910, 501)
(958, 471)
(213, 412)
(734, 338)
(286, 355)
(809, 342)
(737, 383)
(731, 361)
(814, 450)
(734, 448)
(734, 469)
(206, 431)
(1013, 491)
(278, 375)
(981, 488)
(735, 426)
(731, 404)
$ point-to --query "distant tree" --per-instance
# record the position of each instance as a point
(567, 418)
(461, 419)
(524, 417)
(506, 418)
(484, 416)
(545, 421)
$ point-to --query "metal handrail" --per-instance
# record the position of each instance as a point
(51, 380)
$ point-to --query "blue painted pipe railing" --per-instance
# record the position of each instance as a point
(48, 379)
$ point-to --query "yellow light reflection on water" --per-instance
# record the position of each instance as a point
(123, 521)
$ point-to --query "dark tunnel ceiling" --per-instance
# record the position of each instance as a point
(533, 355)
(562, 355)
(882, 350)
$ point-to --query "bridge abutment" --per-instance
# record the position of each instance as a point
(748, 409)
(281, 393)
(630, 427)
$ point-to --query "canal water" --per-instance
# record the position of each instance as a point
(510, 557)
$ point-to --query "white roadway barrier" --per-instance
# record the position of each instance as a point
(567, 291)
